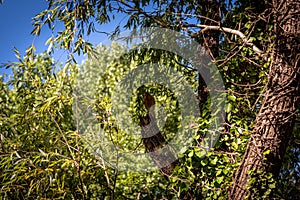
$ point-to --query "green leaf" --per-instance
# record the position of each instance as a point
(191, 153)
(231, 97)
(228, 107)
(267, 152)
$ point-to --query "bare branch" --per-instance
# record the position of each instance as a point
(228, 30)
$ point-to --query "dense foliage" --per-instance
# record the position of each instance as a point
(45, 155)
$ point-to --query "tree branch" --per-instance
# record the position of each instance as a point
(228, 30)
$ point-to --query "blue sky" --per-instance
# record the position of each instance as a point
(15, 22)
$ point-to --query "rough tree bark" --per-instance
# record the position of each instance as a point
(154, 141)
(275, 120)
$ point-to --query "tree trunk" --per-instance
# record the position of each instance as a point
(165, 158)
(275, 120)
(210, 40)
(154, 141)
